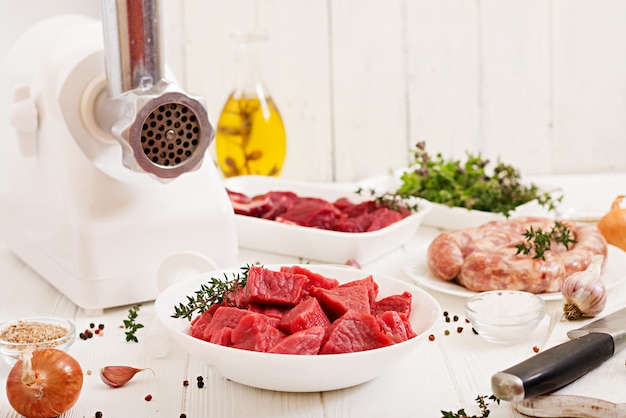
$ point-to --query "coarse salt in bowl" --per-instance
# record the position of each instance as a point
(300, 373)
(33, 333)
(505, 316)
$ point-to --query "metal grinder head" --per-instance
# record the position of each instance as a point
(163, 131)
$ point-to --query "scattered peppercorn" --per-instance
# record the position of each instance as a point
(200, 384)
(199, 378)
(185, 383)
(536, 349)
(474, 331)
(447, 332)
(100, 326)
(431, 337)
(467, 321)
(455, 318)
(98, 414)
(92, 325)
(447, 319)
(459, 329)
(148, 397)
(89, 372)
(82, 336)
(445, 313)
(97, 331)
(183, 415)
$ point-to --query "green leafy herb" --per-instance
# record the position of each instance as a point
(215, 291)
(389, 200)
(131, 325)
(482, 404)
(469, 184)
(540, 241)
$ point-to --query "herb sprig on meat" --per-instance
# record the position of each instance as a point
(468, 184)
(539, 241)
(215, 291)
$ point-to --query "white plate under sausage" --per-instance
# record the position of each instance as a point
(417, 269)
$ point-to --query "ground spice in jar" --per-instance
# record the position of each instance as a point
(26, 332)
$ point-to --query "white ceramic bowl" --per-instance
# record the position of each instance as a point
(505, 316)
(313, 243)
(300, 373)
(11, 351)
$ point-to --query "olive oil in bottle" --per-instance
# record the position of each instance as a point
(250, 136)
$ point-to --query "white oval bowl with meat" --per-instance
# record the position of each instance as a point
(297, 372)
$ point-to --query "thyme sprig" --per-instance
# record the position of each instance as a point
(389, 200)
(215, 291)
(469, 184)
(540, 241)
(131, 325)
(482, 404)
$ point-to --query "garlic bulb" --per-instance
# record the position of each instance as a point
(584, 292)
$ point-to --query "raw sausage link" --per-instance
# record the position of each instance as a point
(501, 268)
(589, 242)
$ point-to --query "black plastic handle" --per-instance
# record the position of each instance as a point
(554, 368)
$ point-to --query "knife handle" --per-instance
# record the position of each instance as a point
(554, 368)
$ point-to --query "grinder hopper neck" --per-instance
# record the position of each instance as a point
(163, 131)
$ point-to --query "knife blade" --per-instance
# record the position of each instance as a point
(562, 364)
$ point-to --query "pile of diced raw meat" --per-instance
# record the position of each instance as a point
(341, 215)
(297, 311)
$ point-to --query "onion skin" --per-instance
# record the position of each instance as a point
(613, 225)
(49, 389)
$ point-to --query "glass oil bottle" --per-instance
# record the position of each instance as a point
(250, 138)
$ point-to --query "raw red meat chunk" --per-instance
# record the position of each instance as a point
(307, 341)
(399, 303)
(396, 326)
(341, 215)
(315, 279)
(272, 313)
(353, 332)
(256, 332)
(267, 287)
(306, 314)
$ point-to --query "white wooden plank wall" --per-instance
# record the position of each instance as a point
(538, 83)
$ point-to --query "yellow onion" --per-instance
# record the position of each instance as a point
(613, 225)
(584, 292)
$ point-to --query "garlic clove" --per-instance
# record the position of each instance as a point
(116, 376)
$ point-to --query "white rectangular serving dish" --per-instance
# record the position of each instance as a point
(317, 244)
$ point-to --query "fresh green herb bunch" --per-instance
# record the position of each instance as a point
(540, 241)
(215, 291)
(131, 325)
(482, 404)
(468, 185)
(389, 200)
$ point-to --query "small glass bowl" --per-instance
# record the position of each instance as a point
(11, 350)
(505, 316)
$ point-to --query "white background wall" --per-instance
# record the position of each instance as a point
(540, 84)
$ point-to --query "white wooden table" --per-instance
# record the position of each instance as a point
(445, 374)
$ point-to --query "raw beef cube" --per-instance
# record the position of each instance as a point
(356, 224)
(272, 311)
(268, 287)
(396, 326)
(383, 217)
(307, 342)
(306, 314)
(222, 337)
(354, 209)
(372, 287)
(312, 212)
(199, 324)
(256, 332)
(225, 316)
(315, 279)
(399, 303)
(354, 331)
(339, 300)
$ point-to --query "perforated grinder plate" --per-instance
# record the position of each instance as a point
(170, 134)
